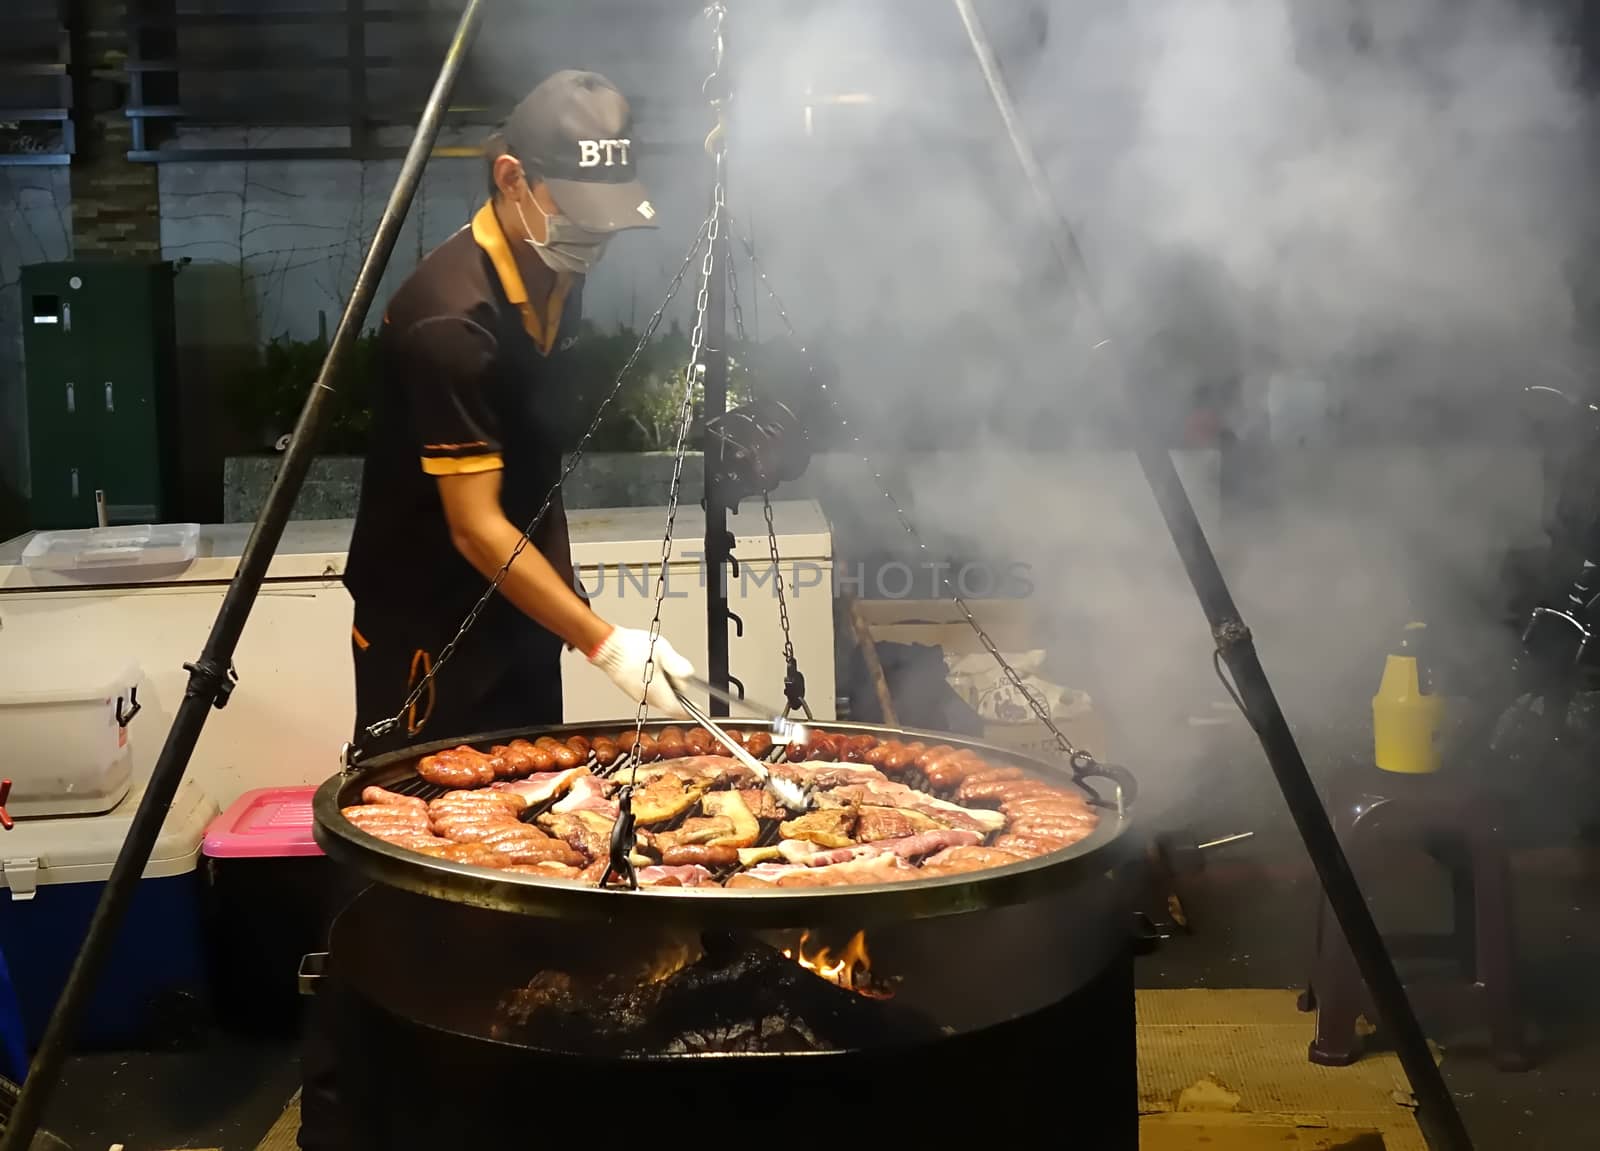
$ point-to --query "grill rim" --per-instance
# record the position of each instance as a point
(745, 908)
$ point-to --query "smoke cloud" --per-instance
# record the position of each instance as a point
(1355, 228)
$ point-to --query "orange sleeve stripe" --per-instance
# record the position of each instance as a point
(462, 465)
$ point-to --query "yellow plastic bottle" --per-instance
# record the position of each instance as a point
(1406, 718)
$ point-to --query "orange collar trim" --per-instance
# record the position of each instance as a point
(489, 236)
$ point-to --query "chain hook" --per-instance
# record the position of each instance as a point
(715, 87)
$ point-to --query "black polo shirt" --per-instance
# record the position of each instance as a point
(471, 378)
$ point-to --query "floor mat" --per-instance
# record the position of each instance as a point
(1224, 1069)
(1236, 1060)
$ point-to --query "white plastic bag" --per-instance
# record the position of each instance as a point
(977, 678)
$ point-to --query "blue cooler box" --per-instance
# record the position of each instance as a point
(52, 872)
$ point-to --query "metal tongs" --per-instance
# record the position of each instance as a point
(793, 796)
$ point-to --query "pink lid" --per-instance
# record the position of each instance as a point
(270, 822)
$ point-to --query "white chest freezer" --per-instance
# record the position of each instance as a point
(295, 703)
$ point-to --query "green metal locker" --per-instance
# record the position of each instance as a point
(99, 350)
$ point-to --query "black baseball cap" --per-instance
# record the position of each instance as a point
(574, 130)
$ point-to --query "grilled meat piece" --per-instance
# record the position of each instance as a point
(955, 860)
(699, 830)
(588, 831)
(730, 805)
(884, 868)
(666, 797)
(892, 823)
(762, 804)
(588, 793)
(906, 847)
(701, 854)
(541, 788)
(888, 793)
(691, 875)
(833, 827)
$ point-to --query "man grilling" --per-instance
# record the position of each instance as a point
(476, 407)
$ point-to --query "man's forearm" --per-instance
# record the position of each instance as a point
(533, 585)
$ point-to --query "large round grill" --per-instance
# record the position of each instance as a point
(704, 906)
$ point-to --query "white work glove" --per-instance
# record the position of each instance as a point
(622, 656)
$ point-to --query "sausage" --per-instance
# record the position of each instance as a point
(532, 758)
(758, 744)
(606, 751)
(649, 747)
(488, 798)
(514, 758)
(903, 756)
(699, 741)
(988, 775)
(794, 751)
(510, 831)
(822, 746)
(445, 770)
(383, 796)
(468, 831)
(581, 745)
(1029, 845)
(1065, 805)
(946, 772)
(721, 856)
(939, 751)
(878, 756)
(473, 853)
(548, 870)
(854, 748)
(670, 743)
(950, 770)
(1049, 824)
(414, 841)
(560, 754)
(544, 850)
(375, 819)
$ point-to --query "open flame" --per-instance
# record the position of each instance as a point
(851, 969)
(667, 962)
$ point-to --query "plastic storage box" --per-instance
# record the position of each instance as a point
(52, 872)
(267, 885)
(64, 736)
(137, 545)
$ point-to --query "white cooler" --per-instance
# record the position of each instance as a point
(64, 734)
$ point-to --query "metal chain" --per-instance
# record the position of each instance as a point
(1080, 760)
(384, 726)
(624, 836)
(791, 668)
(691, 377)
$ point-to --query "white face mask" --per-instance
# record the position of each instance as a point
(566, 247)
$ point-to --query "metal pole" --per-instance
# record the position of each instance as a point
(211, 676)
(1436, 1112)
(718, 543)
